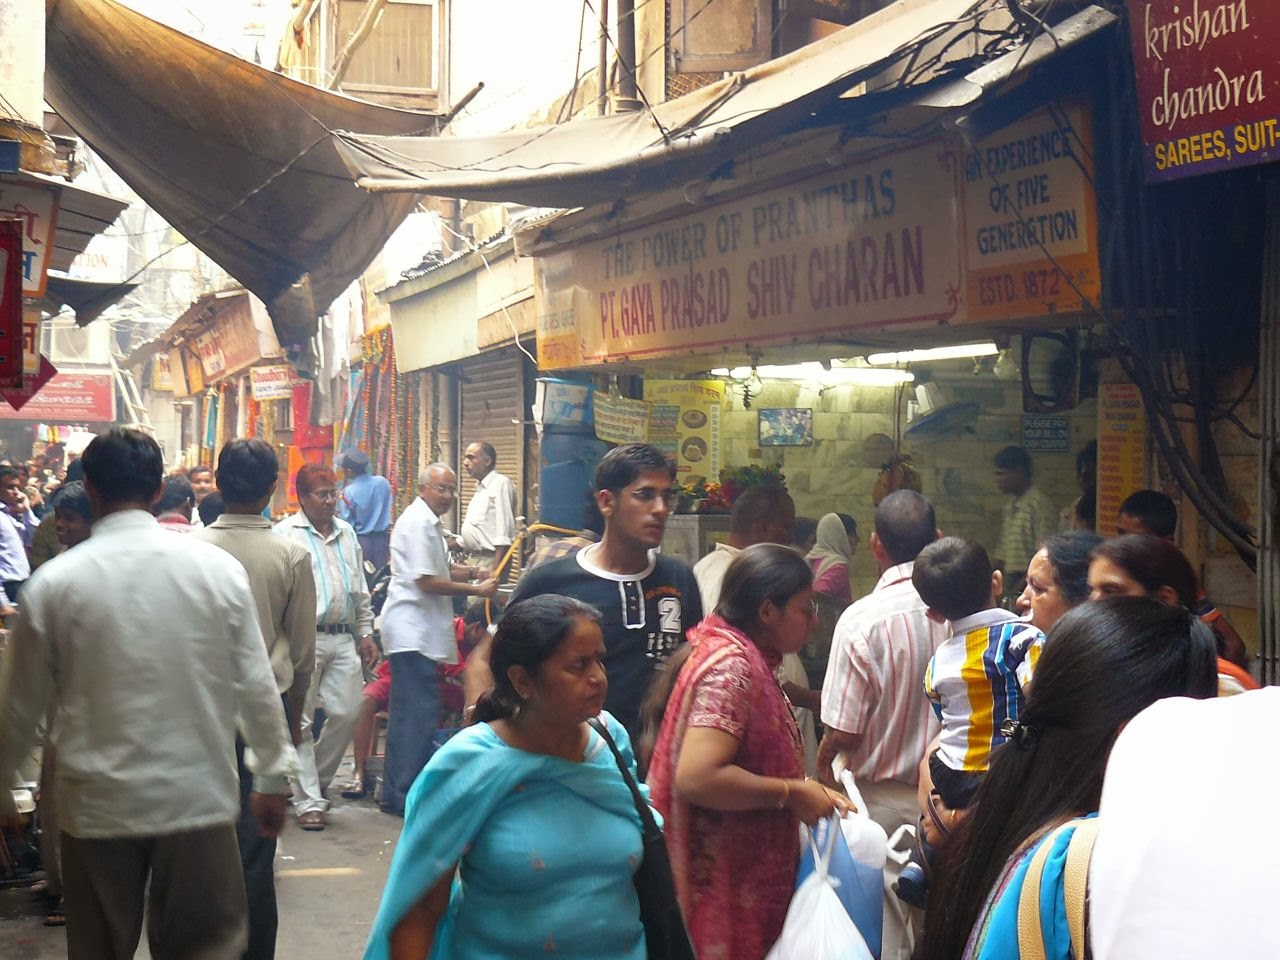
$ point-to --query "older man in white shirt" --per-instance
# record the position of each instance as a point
(417, 629)
(148, 650)
(489, 526)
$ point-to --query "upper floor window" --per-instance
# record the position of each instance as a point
(399, 55)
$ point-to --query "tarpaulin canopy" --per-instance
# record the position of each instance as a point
(88, 298)
(237, 158)
(599, 159)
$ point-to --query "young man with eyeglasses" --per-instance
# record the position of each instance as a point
(647, 600)
(417, 629)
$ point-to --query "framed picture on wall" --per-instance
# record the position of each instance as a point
(786, 427)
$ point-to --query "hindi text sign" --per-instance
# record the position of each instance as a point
(1122, 447)
(35, 207)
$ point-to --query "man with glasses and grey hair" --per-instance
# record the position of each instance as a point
(417, 629)
(647, 600)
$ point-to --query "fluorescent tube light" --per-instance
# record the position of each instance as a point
(958, 352)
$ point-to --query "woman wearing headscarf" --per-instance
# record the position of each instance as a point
(831, 556)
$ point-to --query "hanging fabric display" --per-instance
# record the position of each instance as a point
(384, 415)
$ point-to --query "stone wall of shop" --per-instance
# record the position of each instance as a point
(956, 470)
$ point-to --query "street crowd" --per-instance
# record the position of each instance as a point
(1061, 735)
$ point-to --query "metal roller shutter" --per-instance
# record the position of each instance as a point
(491, 408)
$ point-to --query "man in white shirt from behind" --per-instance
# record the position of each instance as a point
(148, 650)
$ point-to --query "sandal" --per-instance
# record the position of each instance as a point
(356, 789)
(57, 916)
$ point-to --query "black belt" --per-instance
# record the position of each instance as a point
(334, 628)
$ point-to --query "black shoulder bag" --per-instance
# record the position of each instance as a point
(664, 931)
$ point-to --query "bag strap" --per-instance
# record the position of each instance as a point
(642, 807)
(1031, 944)
(1076, 883)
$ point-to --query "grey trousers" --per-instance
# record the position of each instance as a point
(891, 804)
(191, 883)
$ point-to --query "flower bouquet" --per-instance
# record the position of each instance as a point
(734, 480)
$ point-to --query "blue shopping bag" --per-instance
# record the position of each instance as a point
(859, 887)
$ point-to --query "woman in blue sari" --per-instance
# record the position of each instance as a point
(1103, 663)
(520, 836)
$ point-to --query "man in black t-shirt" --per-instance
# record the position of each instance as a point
(647, 601)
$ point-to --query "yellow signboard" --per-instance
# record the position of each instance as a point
(932, 234)
(871, 245)
(1122, 448)
(684, 422)
(1031, 222)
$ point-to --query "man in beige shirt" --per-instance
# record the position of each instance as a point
(284, 591)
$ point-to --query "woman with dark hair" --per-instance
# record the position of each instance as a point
(1141, 565)
(527, 807)
(727, 770)
(1058, 577)
(1103, 663)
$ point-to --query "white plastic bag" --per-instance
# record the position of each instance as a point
(817, 926)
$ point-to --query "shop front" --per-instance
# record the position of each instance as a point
(71, 402)
(465, 330)
(750, 317)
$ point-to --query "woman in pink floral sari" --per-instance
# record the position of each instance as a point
(727, 771)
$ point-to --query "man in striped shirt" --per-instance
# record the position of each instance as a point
(1027, 520)
(877, 717)
(344, 636)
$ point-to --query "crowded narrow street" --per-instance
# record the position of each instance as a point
(639, 479)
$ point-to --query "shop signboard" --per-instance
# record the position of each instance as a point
(18, 397)
(30, 339)
(870, 246)
(232, 342)
(35, 206)
(193, 370)
(161, 373)
(1208, 84)
(178, 374)
(11, 314)
(685, 423)
(621, 419)
(1046, 434)
(69, 397)
(1122, 446)
(273, 382)
(1031, 222)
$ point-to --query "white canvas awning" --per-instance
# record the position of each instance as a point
(599, 159)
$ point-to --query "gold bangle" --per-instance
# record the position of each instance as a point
(786, 794)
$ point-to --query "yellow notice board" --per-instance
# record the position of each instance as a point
(1122, 448)
(871, 245)
(684, 422)
(1031, 222)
